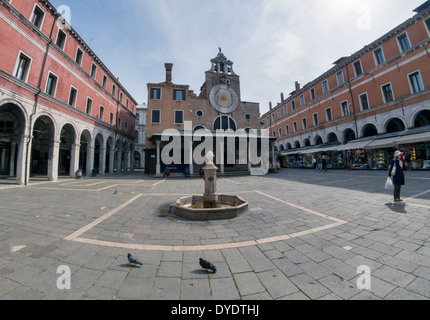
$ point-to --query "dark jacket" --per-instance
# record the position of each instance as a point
(399, 177)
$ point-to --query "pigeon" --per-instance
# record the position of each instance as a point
(133, 260)
(115, 192)
(207, 265)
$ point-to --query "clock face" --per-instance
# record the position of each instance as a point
(224, 99)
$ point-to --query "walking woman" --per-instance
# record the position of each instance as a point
(396, 172)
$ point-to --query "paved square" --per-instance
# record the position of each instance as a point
(304, 237)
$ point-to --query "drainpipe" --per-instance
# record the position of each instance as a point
(36, 100)
(353, 104)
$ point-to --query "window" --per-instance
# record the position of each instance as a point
(287, 130)
(345, 108)
(295, 126)
(328, 115)
(224, 123)
(73, 96)
(199, 113)
(119, 123)
(285, 110)
(22, 67)
(125, 127)
(113, 90)
(111, 119)
(93, 70)
(416, 82)
(137, 118)
(340, 78)
(280, 132)
(404, 43)
(104, 81)
(178, 95)
(51, 84)
(102, 113)
(357, 68)
(89, 107)
(316, 120)
(387, 93)
(156, 117)
(37, 17)
(379, 56)
(273, 117)
(427, 23)
(179, 116)
(305, 123)
(302, 100)
(313, 94)
(247, 116)
(274, 134)
(364, 102)
(279, 114)
(293, 105)
(79, 56)
(325, 86)
(155, 93)
(120, 97)
(61, 39)
(127, 103)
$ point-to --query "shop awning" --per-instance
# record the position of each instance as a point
(289, 152)
(383, 143)
(354, 145)
(414, 138)
(320, 149)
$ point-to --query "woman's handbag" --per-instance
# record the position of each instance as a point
(389, 184)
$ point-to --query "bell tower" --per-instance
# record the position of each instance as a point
(221, 73)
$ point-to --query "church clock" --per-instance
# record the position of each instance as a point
(224, 99)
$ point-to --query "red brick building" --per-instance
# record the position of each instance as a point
(367, 105)
(61, 109)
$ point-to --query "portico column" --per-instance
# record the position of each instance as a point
(102, 161)
(132, 158)
(158, 167)
(119, 160)
(12, 159)
(127, 161)
(221, 156)
(90, 159)
(111, 159)
(22, 161)
(74, 159)
(190, 149)
(53, 158)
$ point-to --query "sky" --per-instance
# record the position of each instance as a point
(273, 43)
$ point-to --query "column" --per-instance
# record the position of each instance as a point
(190, 150)
(12, 159)
(158, 167)
(132, 158)
(102, 161)
(127, 160)
(53, 159)
(23, 160)
(119, 160)
(111, 159)
(74, 159)
(90, 160)
(220, 154)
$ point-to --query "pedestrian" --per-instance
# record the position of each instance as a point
(324, 164)
(396, 172)
(187, 172)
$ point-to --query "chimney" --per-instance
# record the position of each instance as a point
(282, 97)
(270, 105)
(169, 67)
(297, 86)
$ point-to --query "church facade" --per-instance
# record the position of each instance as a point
(196, 120)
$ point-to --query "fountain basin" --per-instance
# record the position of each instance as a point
(228, 207)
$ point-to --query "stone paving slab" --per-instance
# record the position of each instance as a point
(304, 237)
